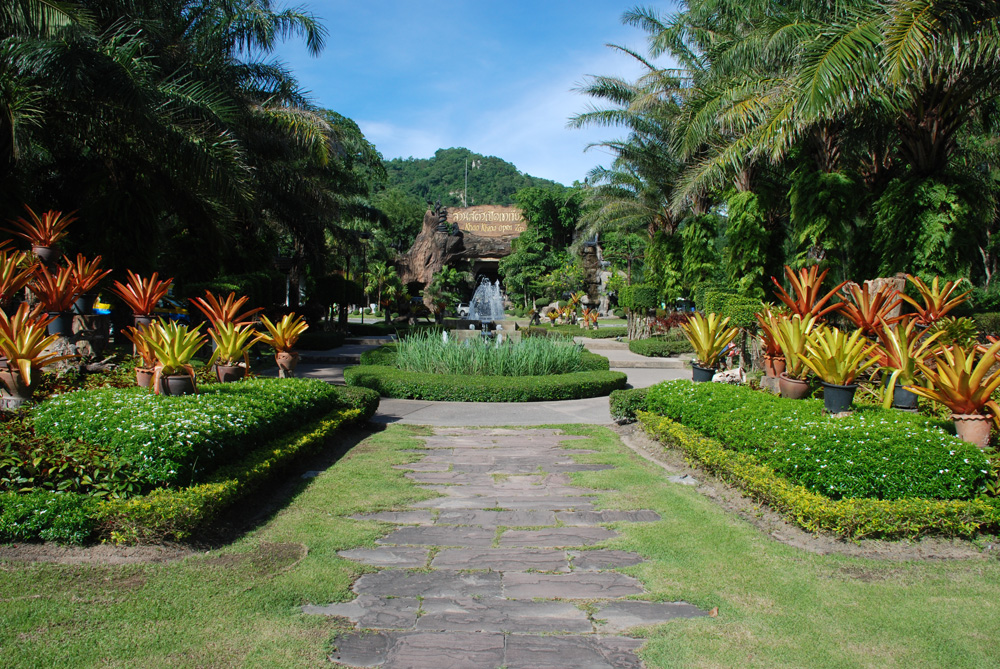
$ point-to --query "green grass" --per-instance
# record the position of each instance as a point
(778, 605)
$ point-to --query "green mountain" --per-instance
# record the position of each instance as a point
(491, 179)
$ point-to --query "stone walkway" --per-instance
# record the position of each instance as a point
(496, 572)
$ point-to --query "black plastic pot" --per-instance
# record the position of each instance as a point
(177, 384)
(838, 399)
(702, 374)
(904, 399)
(61, 323)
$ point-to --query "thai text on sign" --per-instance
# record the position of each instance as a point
(489, 221)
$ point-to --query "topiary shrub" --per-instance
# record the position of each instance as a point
(626, 403)
(660, 347)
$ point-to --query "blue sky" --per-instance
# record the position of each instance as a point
(494, 77)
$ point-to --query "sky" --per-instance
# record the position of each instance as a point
(497, 77)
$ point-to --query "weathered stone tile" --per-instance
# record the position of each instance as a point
(556, 536)
(619, 616)
(578, 585)
(438, 535)
(607, 516)
(555, 503)
(440, 583)
(580, 652)
(522, 518)
(603, 559)
(389, 556)
(443, 477)
(501, 559)
(457, 503)
(363, 649)
(370, 611)
(446, 650)
(502, 615)
(399, 517)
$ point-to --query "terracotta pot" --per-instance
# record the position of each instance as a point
(973, 428)
(177, 384)
(774, 365)
(46, 254)
(144, 377)
(794, 389)
(230, 373)
(3, 362)
(701, 374)
(14, 389)
(287, 360)
(838, 399)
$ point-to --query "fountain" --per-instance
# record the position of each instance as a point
(487, 302)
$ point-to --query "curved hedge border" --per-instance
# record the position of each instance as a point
(658, 347)
(392, 382)
(851, 518)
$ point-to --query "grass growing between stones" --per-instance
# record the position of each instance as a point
(780, 606)
(234, 607)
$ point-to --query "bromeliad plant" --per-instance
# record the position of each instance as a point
(174, 345)
(281, 336)
(936, 300)
(24, 339)
(836, 357)
(709, 338)
(141, 295)
(15, 273)
(792, 335)
(140, 336)
(232, 342)
(901, 348)
(806, 286)
(56, 292)
(42, 231)
(868, 311)
(218, 310)
(86, 273)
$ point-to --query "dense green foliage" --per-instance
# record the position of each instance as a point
(442, 177)
(393, 382)
(532, 356)
(660, 346)
(66, 518)
(386, 355)
(170, 441)
(626, 403)
(873, 453)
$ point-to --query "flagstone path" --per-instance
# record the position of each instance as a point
(496, 572)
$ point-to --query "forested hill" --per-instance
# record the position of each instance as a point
(491, 179)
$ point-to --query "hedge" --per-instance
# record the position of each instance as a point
(740, 310)
(640, 297)
(386, 357)
(854, 518)
(626, 403)
(659, 347)
(392, 382)
(873, 453)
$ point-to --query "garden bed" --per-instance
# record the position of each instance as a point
(878, 473)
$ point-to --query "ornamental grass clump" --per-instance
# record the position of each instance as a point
(532, 356)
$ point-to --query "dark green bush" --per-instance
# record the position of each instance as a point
(660, 347)
(168, 441)
(626, 402)
(63, 517)
(874, 453)
(392, 382)
(640, 297)
(988, 324)
(606, 333)
(364, 400)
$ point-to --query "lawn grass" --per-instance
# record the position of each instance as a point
(778, 605)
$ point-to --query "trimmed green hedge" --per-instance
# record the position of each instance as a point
(67, 518)
(855, 518)
(873, 453)
(640, 297)
(626, 403)
(659, 347)
(386, 356)
(392, 382)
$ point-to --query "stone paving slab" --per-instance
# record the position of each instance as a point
(522, 518)
(606, 516)
(578, 585)
(369, 611)
(399, 517)
(440, 535)
(502, 615)
(558, 652)
(556, 537)
(501, 559)
(440, 583)
(389, 556)
(603, 559)
(620, 616)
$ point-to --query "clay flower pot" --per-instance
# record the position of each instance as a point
(973, 428)
(15, 393)
(774, 365)
(144, 377)
(287, 360)
(795, 389)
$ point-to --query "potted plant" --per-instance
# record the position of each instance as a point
(226, 310)
(42, 232)
(964, 384)
(23, 341)
(901, 347)
(869, 311)
(792, 335)
(232, 343)
(837, 358)
(140, 337)
(774, 359)
(806, 286)
(936, 300)
(15, 273)
(86, 275)
(174, 345)
(142, 295)
(709, 338)
(281, 336)
(55, 294)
